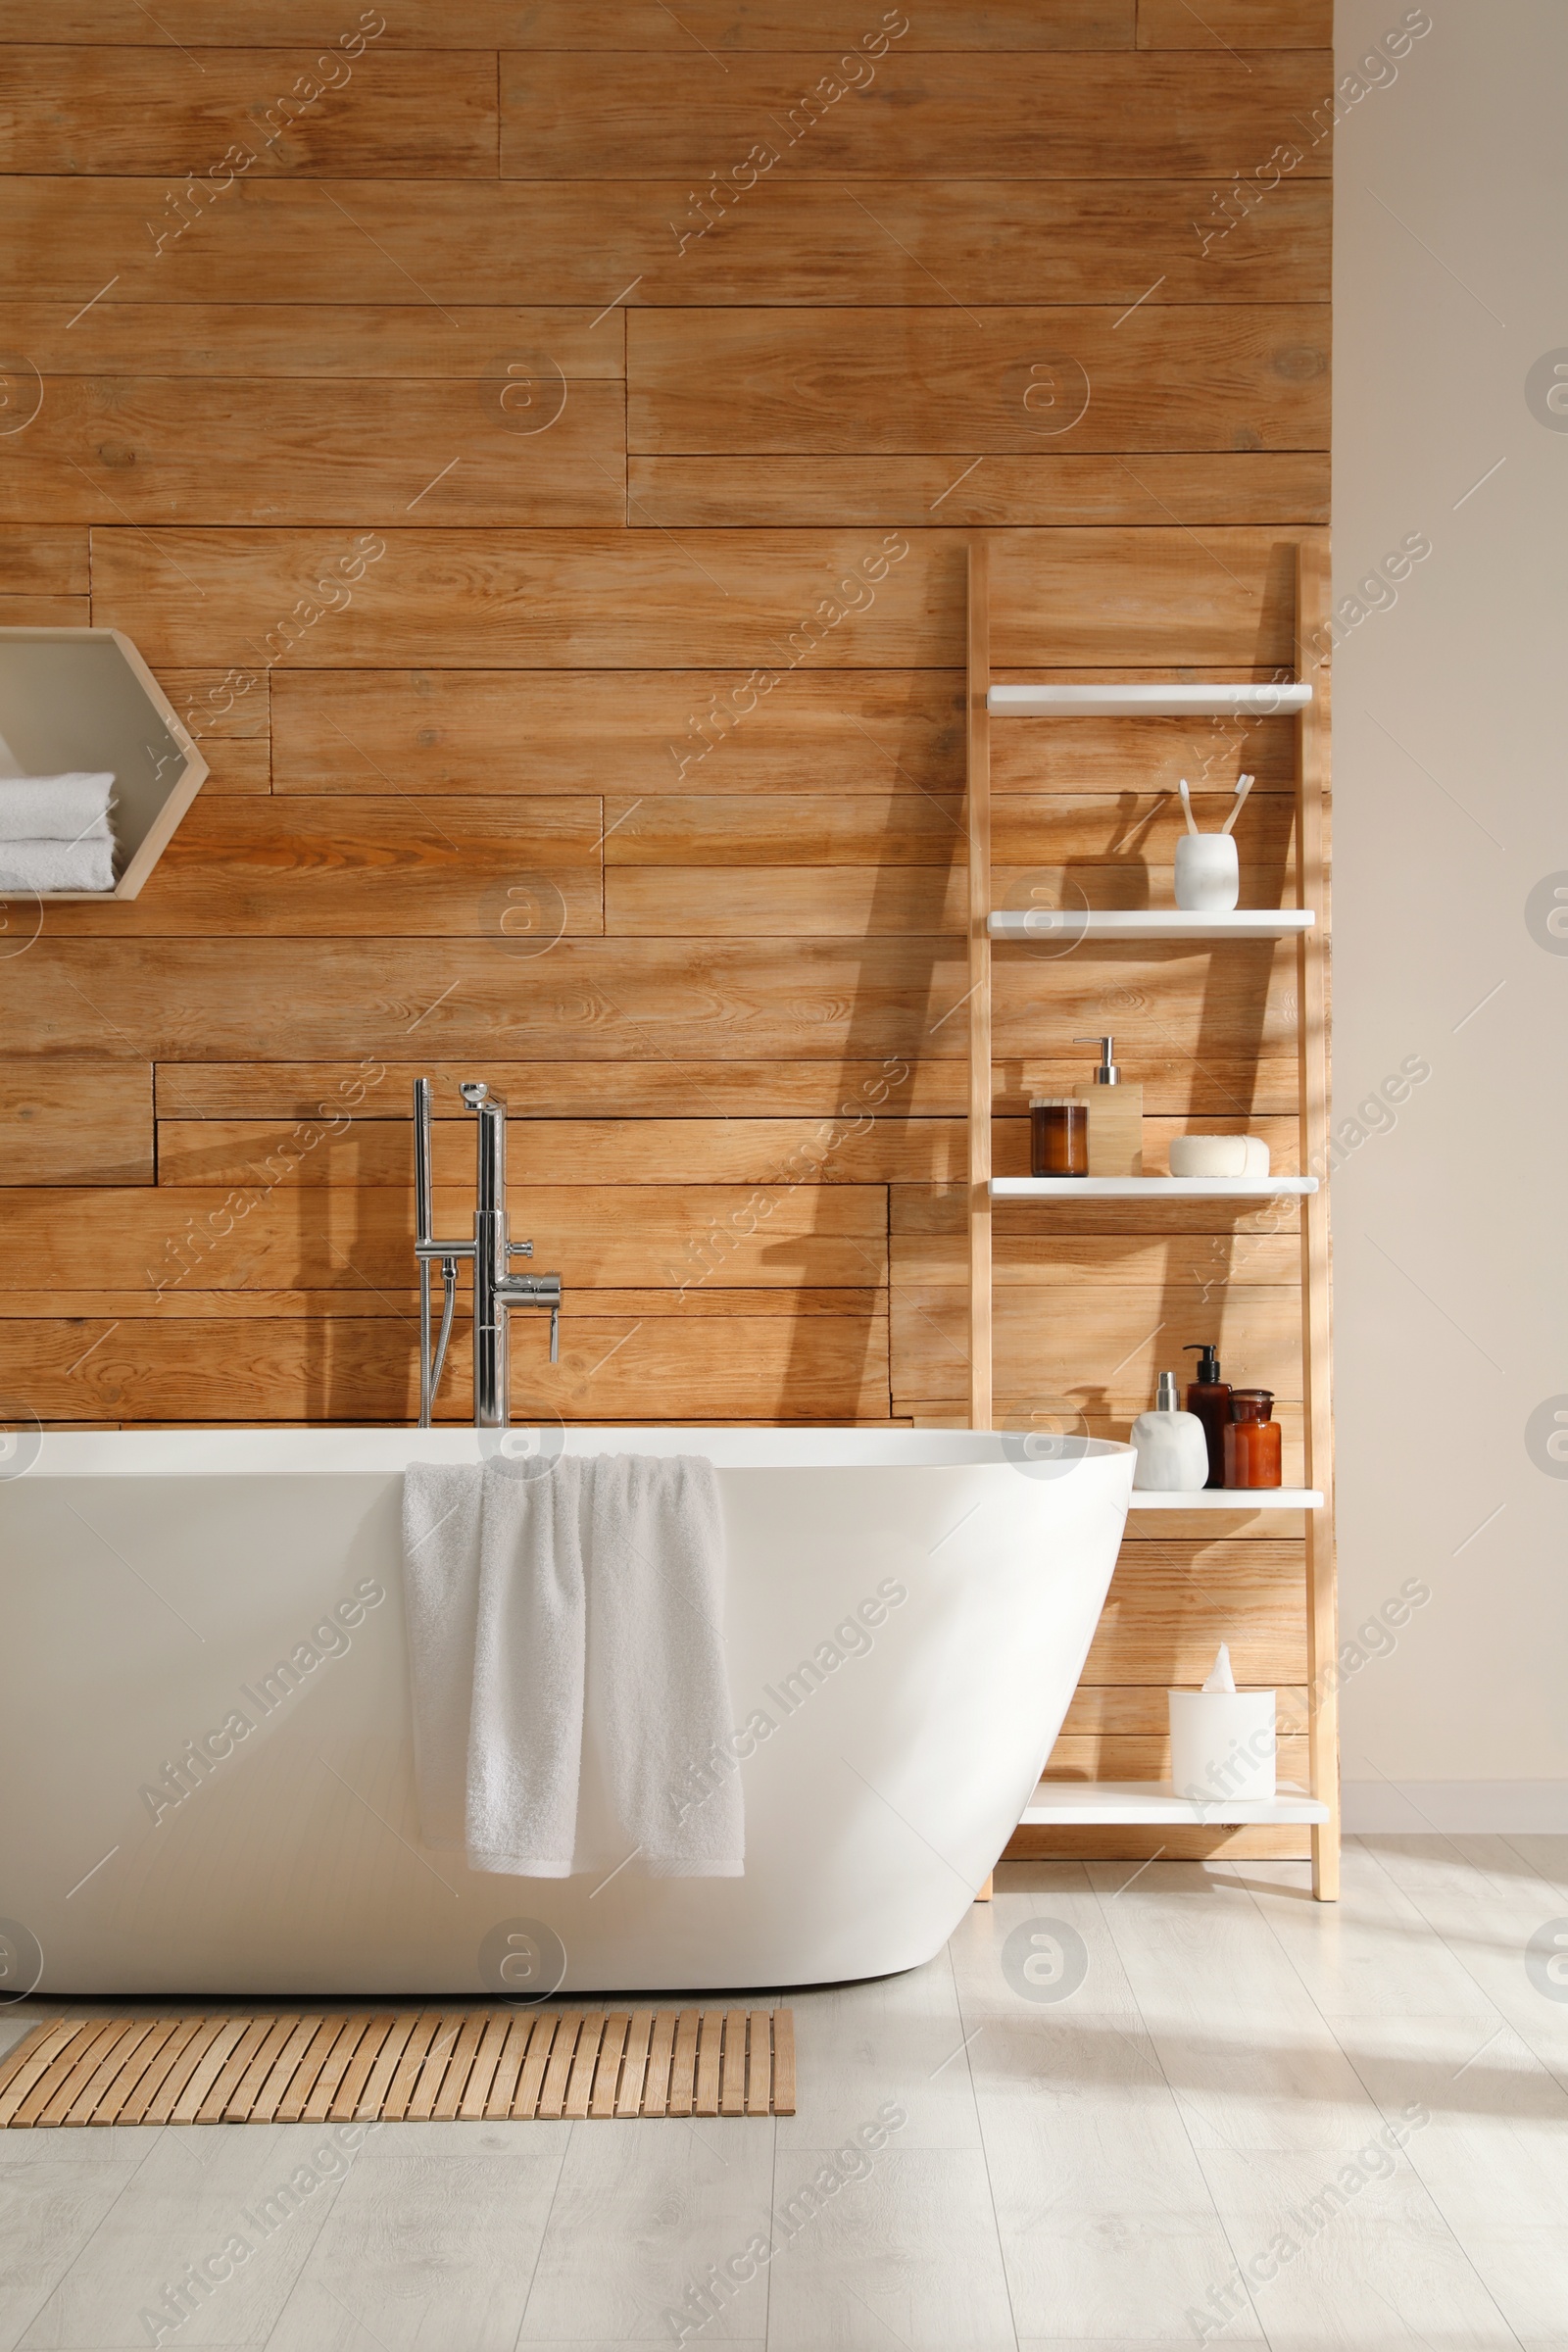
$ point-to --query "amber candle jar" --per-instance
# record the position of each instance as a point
(1059, 1136)
(1253, 1440)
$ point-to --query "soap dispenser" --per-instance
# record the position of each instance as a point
(1171, 1446)
(1209, 1397)
(1115, 1116)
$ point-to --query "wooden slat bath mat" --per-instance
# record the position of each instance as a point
(457, 2065)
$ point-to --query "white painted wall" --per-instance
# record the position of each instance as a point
(1452, 807)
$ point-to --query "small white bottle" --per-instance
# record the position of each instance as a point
(1171, 1446)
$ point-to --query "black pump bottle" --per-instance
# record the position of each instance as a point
(1209, 1397)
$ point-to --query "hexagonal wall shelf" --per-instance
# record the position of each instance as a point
(86, 699)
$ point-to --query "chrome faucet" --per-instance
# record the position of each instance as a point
(496, 1288)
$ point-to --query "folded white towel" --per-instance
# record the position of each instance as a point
(72, 808)
(30, 865)
(545, 1611)
(657, 1692)
(441, 1599)
(525, 1723)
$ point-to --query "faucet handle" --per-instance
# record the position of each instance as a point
(473, 1091)
(520, 1249)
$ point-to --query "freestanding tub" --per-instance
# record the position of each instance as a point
(908, 1612)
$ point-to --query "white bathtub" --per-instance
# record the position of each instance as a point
(149, 1583)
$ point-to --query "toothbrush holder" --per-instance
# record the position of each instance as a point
(1208, 874)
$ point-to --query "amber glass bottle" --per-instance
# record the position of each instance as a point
(1059, 1136)
(1253, 1440)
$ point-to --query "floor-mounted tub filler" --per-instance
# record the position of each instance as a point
(206, 1737)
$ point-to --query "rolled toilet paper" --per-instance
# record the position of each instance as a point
(1222, 1745)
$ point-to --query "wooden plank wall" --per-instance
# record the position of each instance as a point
(634, 375)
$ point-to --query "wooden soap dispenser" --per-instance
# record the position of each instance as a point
(1115, 1116)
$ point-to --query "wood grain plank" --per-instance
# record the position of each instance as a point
(390, 2080)
(1111, 1347)
(290, 2104)
(660, 2056)
(438, 2055)
(222, 1241)
(1165, 1615)
(397, 342)
(118, 2052)
(1233, 487)
(631, 1151)
(785, 902)
(71, 1120)
(783, 2062)
(508, 2064)
(119, 2092)
(558, 2072)
(1248, 24)
(76, 108)
(530, 2080)
(1066, 117)
(244, 2091)
(157, 2103)
(168, 2064)
(783, 829)
(536, 599)
(584, 2064)
(892, 381)
(710, 2038)
(455, 2081)
(683, 2064)
(41, 563)
(714, 1089)
(265, 2092)
(732, 2079)
(515, 873)
(933, 1262)
(45, 612)
(759, 2063)
(70, 2066)
(522, 245)
(585, 24)
(619, 1090)
(193, 2096)
(237, 450)
(634, 2066)
(1107, 1758)
(434, 731)
(194, 1000)
(607, 2074)
(1074, 1844)
(1139, 1711)
(380, 2034)
(476, 2091)
(257, 2035)
(328, 2082)
(713, 734)
(766, 600)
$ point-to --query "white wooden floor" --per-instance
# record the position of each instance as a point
(1341, 2127)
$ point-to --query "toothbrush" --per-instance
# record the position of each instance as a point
(1192, 821)
(1244, 785)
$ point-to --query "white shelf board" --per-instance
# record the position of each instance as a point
(1155, 1804)
(1229, 1498)
(1146, 702)
(1150, 922)
(1153, 1189)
